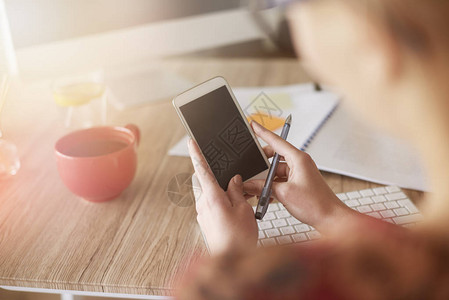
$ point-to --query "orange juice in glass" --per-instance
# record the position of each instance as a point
(84, 98)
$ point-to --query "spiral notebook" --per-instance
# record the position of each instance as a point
(338, 141)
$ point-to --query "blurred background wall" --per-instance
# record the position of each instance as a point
(41, 21)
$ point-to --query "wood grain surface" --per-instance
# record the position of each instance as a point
(137, 243)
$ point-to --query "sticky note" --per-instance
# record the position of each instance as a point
(270, 122)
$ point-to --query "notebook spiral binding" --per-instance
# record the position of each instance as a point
(315, 132)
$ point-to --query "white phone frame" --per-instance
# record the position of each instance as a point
(203, 89)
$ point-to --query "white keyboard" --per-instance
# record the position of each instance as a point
(389, 203)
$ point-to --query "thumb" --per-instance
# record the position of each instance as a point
(254, 187)
(235, 189)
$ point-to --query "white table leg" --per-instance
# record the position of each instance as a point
(67, 297)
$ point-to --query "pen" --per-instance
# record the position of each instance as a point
(264, 199)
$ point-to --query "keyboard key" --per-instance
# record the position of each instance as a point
(283, 214)
(364, 209)
(378, 206)
(273, 207)
(287, 230)
(374, 215)
(279, 223)
(387, 214)
(352, 203)
(302, 228)
(293, 221)
(380, 191)
(342, 196)
(389, 221)
(404, 202)
(391, 204)
(393, 189)
(261, 234)
(265, 225)
(367, 193)
(379, 199)
(401, 211)
(269, 216)
(299, 237)
(408, 219)
(272, 232)
(314, 235)
(366, 200)
(409, 205)
(285, 239)
(353, 195)
(269, 242)
(396, 196)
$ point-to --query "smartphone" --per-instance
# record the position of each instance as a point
(214, 119)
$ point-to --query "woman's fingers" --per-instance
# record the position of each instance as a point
(254, 187)
(235, 189)
(204, 174)
(281, 180)
(248, 196)
(269, 152)
(282, 176)
(276, 143)
(283, 170)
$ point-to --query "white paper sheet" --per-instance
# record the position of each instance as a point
(347, 146)
(308, 108)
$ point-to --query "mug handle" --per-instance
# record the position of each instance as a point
(135, 130)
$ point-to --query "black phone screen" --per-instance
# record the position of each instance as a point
(223, 136)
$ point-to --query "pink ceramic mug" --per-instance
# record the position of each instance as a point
(98, 163)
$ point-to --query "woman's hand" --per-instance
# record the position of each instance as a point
(226, 218)
(299, 185)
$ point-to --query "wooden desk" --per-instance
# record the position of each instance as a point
(136, 243)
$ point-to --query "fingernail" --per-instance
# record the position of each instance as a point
(189, 143)
(238, 180)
